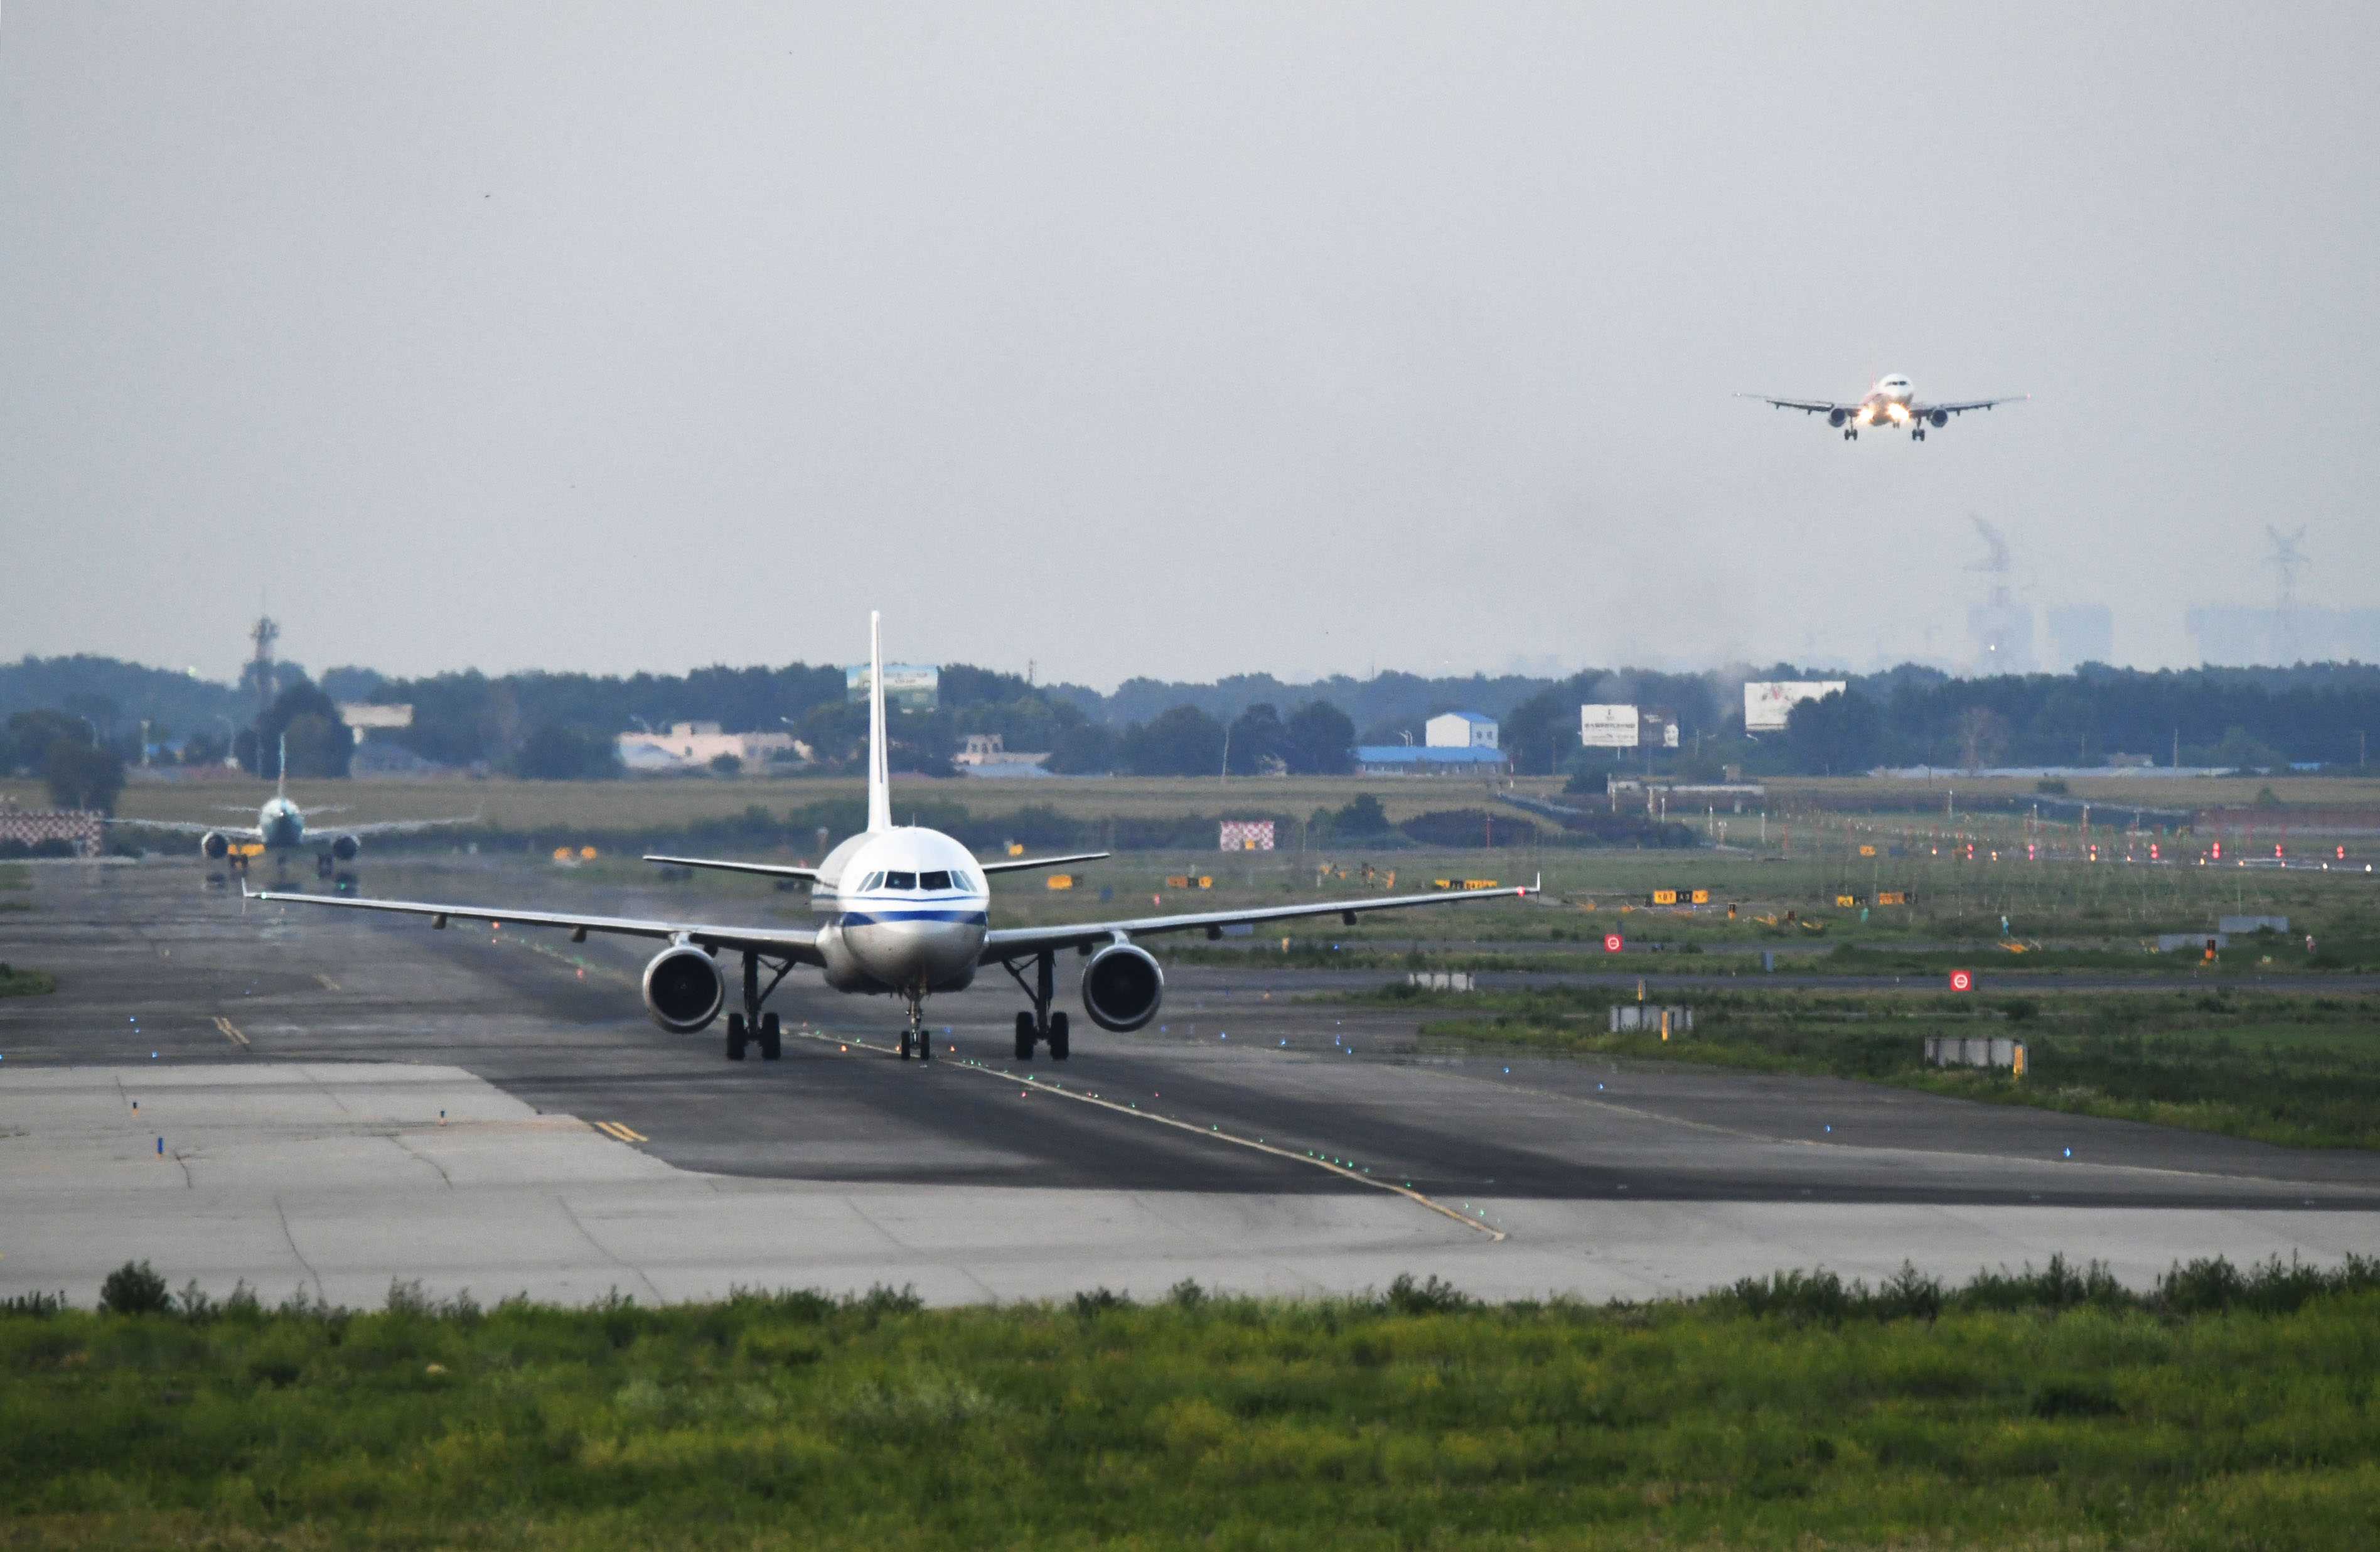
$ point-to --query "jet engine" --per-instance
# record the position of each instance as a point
(1121, 987)
(1940, 418)
(215, 846)
(345, 847)
(1836, 417)
(683, 989)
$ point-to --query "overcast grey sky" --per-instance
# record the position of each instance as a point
(1177, 340)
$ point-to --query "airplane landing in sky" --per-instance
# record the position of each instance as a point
(1892, 405)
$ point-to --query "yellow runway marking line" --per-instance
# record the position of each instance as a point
(621, 1132)
(1211, 1134)
(230, 1031)
(328, 984)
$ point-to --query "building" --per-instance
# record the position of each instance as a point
(692, 746)
(987, 754)
(1426, 760)
(1460, 730)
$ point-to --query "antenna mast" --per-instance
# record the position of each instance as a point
(2289, 554)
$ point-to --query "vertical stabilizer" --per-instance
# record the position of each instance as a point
(879, 785)
(281, 769)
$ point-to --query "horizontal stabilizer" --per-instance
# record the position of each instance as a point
(765, 870)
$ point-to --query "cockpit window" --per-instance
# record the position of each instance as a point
(870, 882)
(962, 880)
(931, 881)
(900, 881)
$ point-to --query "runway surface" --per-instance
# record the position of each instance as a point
(1601, 1181)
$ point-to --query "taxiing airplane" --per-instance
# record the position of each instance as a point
(281, 829)
(1892, 405)
(906, 913)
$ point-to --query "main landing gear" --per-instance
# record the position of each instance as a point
(1850, 434)
(753, 1026)
(1918, 435)
(913, 1038)
(1040, 1025)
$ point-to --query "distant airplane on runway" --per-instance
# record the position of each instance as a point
(281, 829)
(906, 915)
(1892, 405)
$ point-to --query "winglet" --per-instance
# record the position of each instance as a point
(879, 785)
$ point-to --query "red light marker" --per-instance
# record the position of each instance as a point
(1962, 980)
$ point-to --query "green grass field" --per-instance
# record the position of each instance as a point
(2301, 1070)
(2038, 1410)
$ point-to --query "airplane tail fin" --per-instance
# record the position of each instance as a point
(281, 769)
(879, 785)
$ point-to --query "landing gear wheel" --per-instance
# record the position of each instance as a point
(1025, 1038)
(1917, 436)
(772, 1045)
(736, 1036)
(1057, 1037)
(322, 865)
(904, 1045)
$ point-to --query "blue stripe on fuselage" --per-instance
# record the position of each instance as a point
(872, 917)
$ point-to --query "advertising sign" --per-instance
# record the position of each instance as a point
(909, 685)
(1607, 727)
(1766, 704)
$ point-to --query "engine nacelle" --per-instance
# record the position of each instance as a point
(683, 989)
(1940, 418)
(1836, 417)
(1121, 987)
(345, 847)
(215, 846)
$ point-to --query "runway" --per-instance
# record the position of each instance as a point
(300, 1059)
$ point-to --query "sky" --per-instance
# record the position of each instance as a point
(1168, 340)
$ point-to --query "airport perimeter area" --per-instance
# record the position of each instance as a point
(343, 1103)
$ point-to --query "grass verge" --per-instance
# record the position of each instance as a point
(2036, 1409)
(2295, 1069)
(16, 983)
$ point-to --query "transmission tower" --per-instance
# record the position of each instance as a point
(2289, 554)
(259, 666)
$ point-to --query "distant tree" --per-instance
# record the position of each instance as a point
(1256, 740)
(559, 752)
(318, 746)
(81, 773)
(727, 764)
(2244, 751)
(1838, 735)
(1319, 739)
(1183, 741)
(1541, 733)
(328, 752)
(1084, 749)
(1360, 815)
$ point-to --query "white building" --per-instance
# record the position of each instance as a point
(1460, 730)
(689, 746)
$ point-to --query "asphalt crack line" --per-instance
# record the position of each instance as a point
(291, 1241)
(1212, 1134)
(637, 1272)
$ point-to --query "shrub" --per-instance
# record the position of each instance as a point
(134, 1288)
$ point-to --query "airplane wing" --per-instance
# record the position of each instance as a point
(388, 826)
(798, 944)
(1808, 406)
(766, 870)
(1016, 864)
(1009, 942)
(185, 828)
(1964, 405)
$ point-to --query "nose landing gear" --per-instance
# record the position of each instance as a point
(913, 1038)
(1040, 1026)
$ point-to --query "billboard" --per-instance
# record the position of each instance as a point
(1607, 727)
(909, 685)
(1767, 704)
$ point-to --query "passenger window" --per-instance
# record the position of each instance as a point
(900, 881)
(932, 881)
